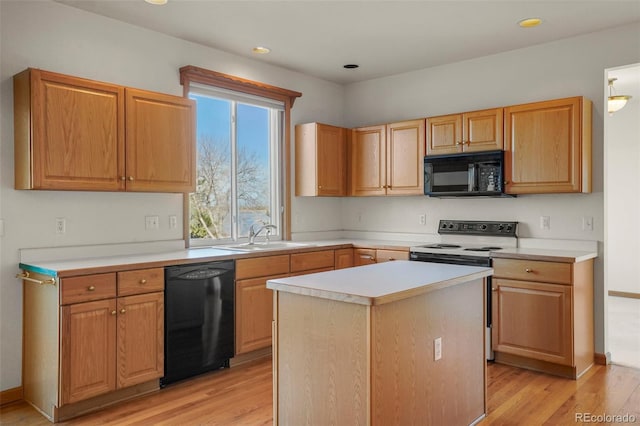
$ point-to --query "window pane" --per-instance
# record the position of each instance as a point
(253, 167)
(210, 205)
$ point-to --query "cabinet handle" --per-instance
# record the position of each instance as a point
(319, 186)
(91, 288)
(130, 178)
(362, 256)
(123, 310)
(527, 270)
(143, 281)
(494, 289)
(506, 182)
(123, 178)
(113, 312)
(459, 143)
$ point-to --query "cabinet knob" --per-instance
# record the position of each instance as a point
(113, 312)
(91, 288)
(528, 270)
(506, 182)
(123, 178)
(130, 178)
(143, 281)
(459, 143)
(123, 310)
(494, 289)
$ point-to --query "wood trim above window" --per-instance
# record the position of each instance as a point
(190, 73)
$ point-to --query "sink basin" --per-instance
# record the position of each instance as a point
(274, 245)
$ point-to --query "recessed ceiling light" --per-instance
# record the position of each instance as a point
(530, 22)
(351, 66)
(261, 50)
(157, 2)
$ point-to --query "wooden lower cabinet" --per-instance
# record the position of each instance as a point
(543, 315)
(254, 313)
(367, 256)
(343, 258)
(363, 256)
(391, 255)
(86, 347)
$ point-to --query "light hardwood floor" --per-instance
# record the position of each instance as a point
(243, 396)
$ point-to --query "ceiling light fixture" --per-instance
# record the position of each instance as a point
(157, 2)
(261, 50)
(615, 102)
(530, 22)
(351, 66)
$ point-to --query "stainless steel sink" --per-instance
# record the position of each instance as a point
(274, 245)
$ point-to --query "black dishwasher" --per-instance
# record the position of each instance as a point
(199, 319)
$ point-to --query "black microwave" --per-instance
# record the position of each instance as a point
(467, 174)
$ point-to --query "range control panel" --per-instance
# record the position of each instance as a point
(472, 227)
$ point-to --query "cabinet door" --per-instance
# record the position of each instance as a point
(364, 257)
(344, 258)
(533, 320)
(77, 135)
(332, 160)
(482, 130)
(545, 151)
(140, 338)
(368, 157)
(254, 314)
(405, 158)
(161, 144)
(88, 343)
(444, 134)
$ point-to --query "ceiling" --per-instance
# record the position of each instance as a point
(383, 37)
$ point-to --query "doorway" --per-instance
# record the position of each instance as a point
(622, 217)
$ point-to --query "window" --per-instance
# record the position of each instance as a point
(242, 107)
(238, 180)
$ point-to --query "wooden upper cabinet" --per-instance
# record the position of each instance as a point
(69, 133)
(468, 132)
(321, 160)
(368, 156)
(160, 135)
(388, 159)
(548, 147)
(78, 134)
(405, 158)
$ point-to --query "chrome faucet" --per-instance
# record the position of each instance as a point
(253, 233)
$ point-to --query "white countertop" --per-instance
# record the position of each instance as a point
(544, 254)
(379, 283)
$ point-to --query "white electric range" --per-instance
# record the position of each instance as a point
(465, 242)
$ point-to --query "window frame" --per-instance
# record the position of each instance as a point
(192, 74)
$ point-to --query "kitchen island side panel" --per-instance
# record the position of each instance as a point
(409, 386)
(323, 361)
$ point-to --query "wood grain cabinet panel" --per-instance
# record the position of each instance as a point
(88, 349)
(391, 255)
(161, 148)
(72, 133)
(69, 133)
(548, 147)
(140, 338)
(87, 288)
(321, 160)
(344, 258)
(468, 132)
(140, 281)
(312, 260)
(542, 315)
(388, 159)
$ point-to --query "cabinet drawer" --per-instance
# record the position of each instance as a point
(87, 288)
(140, 281)
(364, 257)
(533, 270)
(262, 266)
(313, 260)
(389, 255)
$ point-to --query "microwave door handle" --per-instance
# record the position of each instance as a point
(472, 178)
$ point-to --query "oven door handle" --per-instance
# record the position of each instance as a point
(471, 183)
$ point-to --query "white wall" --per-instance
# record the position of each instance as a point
(559, 69)
(55, 37)
(622, 186)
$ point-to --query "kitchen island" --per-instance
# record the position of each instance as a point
(391, 343)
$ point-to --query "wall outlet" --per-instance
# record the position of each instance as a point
(437, 349)
(545, 222)
(61, 225)
(587, 223)
(422, 219)
(173, 221)
(151, 222)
